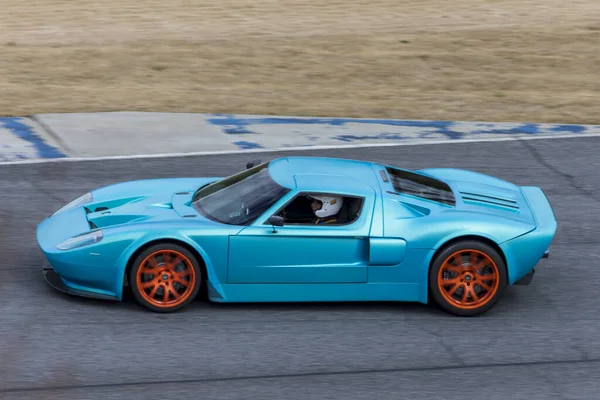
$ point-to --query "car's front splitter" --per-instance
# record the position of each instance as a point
(54, 280)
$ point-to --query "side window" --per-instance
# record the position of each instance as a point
(303, 209)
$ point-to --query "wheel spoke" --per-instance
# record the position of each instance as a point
(484, 287)
(174, 263)
(454, 288)
(453, 269)
(147, 271)
(464, 295)
(473, 260)
(152, 262)
(175, 294)
(148, 285)
(450, 281)
(181, 281)
(184, 273)
(474, 295)
(459, 260)
(487, 278)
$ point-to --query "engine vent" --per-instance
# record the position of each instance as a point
(494, 201)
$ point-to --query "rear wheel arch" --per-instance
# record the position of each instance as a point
(466, 238)
(486, 247)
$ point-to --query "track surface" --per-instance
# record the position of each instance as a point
(540, 342)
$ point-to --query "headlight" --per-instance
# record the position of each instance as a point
(86, 198)
(81, 240)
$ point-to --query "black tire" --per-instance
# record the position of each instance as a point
(171, 274)
(470, 281)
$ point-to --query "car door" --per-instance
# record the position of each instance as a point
(303, 252)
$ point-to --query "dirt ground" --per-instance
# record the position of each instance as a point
(494, 60)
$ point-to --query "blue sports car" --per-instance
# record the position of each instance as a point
(300, 229)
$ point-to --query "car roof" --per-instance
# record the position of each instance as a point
(324, 173)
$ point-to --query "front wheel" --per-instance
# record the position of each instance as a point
(468, 278)
(165, 277)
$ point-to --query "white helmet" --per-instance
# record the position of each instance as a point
(331, 205)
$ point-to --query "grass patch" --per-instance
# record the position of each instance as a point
(425, 59)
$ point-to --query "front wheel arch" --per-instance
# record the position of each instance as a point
(203, 288)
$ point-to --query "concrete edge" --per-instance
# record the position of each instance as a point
(143, 134)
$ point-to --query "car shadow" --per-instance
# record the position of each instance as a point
(354, 306)
(200, 305)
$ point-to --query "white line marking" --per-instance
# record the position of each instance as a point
(416, 142)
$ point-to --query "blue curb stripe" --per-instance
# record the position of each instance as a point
(237, 125)
(17, 127)
(22, 140)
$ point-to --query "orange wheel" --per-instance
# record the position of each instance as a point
(468, 278)
(165, 278)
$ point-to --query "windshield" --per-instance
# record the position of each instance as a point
(421, 186)
(241, 198)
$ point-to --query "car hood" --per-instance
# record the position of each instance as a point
(478, 192)
(144, 200)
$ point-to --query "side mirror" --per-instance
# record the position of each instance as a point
(276, 220)
(252, 163)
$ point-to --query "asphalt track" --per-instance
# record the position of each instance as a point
(540, 342)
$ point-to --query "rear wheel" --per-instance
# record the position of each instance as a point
(467, 278)
(165, 277)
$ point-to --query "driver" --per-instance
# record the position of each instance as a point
(326, 208)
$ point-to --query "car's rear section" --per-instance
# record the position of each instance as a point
(525, 252)
(484, 194)
(523, 204)
(541, 209)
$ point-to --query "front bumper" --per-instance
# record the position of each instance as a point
(55, 281)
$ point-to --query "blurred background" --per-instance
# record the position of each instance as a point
(490, 60)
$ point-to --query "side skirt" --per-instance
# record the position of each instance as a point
(326, 292)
